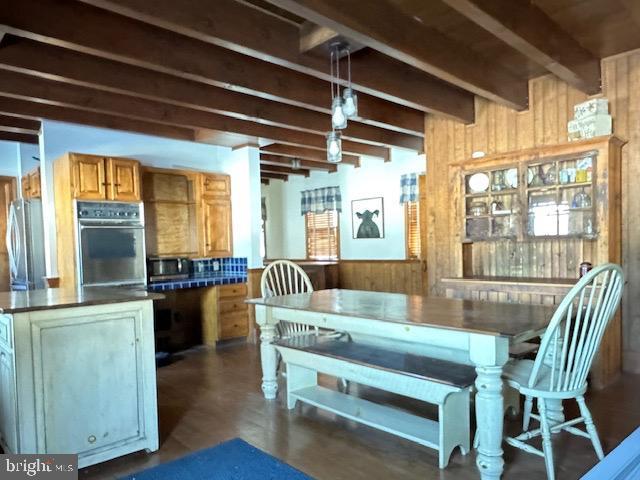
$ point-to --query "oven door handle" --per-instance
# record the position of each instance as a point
(119, 225)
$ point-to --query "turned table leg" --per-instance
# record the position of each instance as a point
(489, 416)
(268, 354)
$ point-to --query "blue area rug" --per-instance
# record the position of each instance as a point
(232, 460)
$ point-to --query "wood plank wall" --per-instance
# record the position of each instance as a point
(498, 130)
(398, 276)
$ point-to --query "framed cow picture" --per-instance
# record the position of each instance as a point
(367, 217)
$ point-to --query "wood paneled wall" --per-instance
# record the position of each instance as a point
(498, 130)
(399, 276)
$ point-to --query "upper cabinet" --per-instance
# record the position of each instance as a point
(31, 184)
(215, 185)
(105, 178)
(215, 206)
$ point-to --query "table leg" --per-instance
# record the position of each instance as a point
(555, 411)
(268, 355)
(489, 416)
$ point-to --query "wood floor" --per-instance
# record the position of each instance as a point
(209, 397)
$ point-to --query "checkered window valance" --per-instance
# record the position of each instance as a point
(409, 188)
(320, 200)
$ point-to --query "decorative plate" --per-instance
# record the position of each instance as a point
(479, 182)
(511, 178)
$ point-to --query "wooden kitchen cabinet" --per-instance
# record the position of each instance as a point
(110, 377)
(170, 212)
(31, 184)
(216, 185)
(105, 178)
(124, 180)
(217, 235)
(225, 313)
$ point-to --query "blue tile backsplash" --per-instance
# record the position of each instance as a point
(207, 272)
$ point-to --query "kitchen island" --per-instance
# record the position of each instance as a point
(77, 372)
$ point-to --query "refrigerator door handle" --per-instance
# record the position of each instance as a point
(12, 243)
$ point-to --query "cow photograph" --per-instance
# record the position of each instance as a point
(367, 218)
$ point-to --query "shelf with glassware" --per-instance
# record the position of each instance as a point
(557, 193)
(559, 197)
(492, 205)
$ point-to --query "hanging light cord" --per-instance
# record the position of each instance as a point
(349, 67)
(331, 67)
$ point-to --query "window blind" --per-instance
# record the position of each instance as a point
(323, 237)
(412, 217)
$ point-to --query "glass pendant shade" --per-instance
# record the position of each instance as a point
(338, 117)
(350, 103)
(295, 164)
(334, 147)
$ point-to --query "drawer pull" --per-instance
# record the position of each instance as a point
(92, 439)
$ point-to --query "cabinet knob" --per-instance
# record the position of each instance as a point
(92, 439)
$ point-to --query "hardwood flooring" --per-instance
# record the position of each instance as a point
(212, 396)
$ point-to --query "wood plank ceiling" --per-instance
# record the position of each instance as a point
(234, 72)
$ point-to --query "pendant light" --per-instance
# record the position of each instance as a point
(350, 98)
(334, 147)
(295, 164)
(338, 117)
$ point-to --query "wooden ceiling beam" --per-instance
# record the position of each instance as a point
(312, 36)
(26, 87)
(232, 25)
(20, 123)
(40, 111)
(525, 27)
(19, 137)
(383, 27)
(288, 170)
(102, 33)
(308, 164)
(274, 176)
(306, 153)
(66, 66)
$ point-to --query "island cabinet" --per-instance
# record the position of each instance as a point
(79, 380)
(217, 240)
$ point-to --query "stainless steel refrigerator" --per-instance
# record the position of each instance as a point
(25, 244)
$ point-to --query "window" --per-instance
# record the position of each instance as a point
(412, 225)
(323, 236)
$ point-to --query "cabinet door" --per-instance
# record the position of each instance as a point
(26, 187)
(124, 179)
(8, 410)
(91, 370)
(34, 183)
(217, 227)
(89, 177)
(216, 185)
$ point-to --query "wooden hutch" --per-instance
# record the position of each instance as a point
(529, 218)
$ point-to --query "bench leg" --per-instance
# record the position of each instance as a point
(454, 424)
(297, 378)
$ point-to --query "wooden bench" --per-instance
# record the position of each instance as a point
(435, 381)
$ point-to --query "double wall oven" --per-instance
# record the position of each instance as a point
(110, 243)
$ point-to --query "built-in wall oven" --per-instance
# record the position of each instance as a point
(110, 243)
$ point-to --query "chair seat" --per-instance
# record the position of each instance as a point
(518, 372)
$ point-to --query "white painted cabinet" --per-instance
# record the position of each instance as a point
(86, 382)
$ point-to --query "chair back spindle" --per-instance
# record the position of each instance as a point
(571, 341)
(284, 277)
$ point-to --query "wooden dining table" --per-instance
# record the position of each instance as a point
(463, 331)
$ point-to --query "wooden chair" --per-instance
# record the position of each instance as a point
(568, 348)
(283, 277)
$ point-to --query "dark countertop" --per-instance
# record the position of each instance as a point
(199, 280)
(503, 319)
(52, 298)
